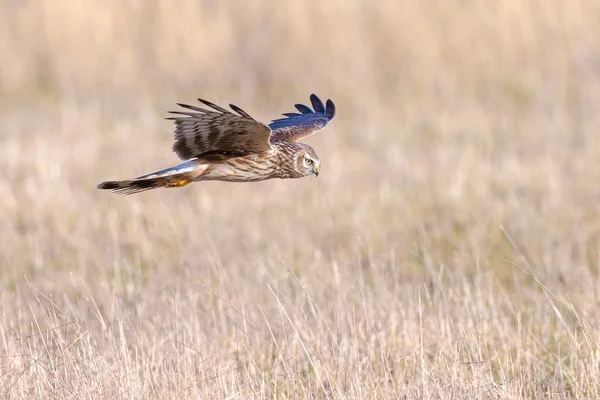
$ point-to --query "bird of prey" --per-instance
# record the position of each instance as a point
(217, 144)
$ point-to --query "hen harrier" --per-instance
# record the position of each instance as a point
(220, 145)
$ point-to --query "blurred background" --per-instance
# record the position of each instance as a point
(465, 136)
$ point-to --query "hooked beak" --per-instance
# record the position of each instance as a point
(316, 170)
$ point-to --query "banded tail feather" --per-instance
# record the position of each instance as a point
(131, 186)
(177, 176)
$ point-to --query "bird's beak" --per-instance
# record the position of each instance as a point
(316, 170)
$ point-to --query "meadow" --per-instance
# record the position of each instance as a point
(449, 249)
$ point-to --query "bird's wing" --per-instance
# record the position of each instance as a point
(205, 132)
(297, 126)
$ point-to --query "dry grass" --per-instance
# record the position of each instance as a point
(449, 249)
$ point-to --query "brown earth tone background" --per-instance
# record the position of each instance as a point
(449, 248)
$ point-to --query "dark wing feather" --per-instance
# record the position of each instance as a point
(304, 109)
(298, 126)
(206, 132)
(317, 104)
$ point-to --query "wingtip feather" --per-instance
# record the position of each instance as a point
(304, 109)
(240, 111)
(329, 109)
(212, 105)
(317, 104)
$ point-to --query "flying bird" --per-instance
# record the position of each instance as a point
(217, 144)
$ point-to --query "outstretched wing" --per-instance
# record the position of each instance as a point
(297, 126)
(218, 132)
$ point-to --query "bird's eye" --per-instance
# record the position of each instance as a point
(309, 161)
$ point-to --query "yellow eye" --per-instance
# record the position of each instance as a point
(309, 161)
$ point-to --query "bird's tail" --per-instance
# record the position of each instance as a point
(177, 176)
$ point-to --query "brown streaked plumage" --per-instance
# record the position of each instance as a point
(217, 144)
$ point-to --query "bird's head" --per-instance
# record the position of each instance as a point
(307, 162)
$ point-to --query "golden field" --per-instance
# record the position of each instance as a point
(450, 248)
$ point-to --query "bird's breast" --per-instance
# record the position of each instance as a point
(243, 169)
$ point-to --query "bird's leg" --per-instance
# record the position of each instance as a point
(183, 178)
(178, 183)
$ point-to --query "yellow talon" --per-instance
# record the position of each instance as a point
(178, 183)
